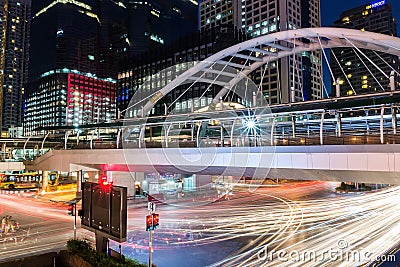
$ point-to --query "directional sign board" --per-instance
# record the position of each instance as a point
(105, 210)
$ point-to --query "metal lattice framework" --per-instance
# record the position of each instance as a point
(250, 55)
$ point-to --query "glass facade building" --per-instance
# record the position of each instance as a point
(14, 57)
(263, 17)
(68, 97)
(144, 71)
(71, 57)
(354, 72)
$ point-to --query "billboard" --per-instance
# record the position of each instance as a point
(104, 209)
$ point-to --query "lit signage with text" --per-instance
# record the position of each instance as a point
(378, 4)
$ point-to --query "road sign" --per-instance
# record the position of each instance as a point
(151, 206)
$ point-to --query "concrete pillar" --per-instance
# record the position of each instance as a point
(294, 126)
(394, 121)
(45, 180)
(381, 125)
(392, 81)
(79, 177)
(338, 125)
(126, 179)
(3, 151)
(292, 95)
(337, 88)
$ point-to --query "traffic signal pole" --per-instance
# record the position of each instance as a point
(150, 247)
(152, 221)
(75, 221)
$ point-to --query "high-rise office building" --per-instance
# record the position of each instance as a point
(262, 17)
(64, 34)
(157, 23)
(152, 70)
(351, 69)
(14, 45)
(68, 97)
(87, 37)
(71, 65)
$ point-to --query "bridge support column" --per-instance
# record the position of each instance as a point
(394, 120)
(273, 132)
(337, 87)
(166, 133)
(292, 95)
(381, 124)
(45, 180)
(392, 82)
(198, 135)
(141, 135)
(222, 136)
(127, 179)
(321, 129)
(3, 151)
(294, 126)
(79, 179)
(338, 125)
(192, 131)
(66, 139)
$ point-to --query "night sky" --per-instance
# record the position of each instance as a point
(331, 9)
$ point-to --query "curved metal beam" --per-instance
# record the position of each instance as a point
(332, 37)
(44, 139)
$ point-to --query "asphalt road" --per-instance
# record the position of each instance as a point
(295, 224)
(45, 226)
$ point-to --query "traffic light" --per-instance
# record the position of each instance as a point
(156, 219)
(71, 210)
(149, 222)
(104, 183)
(152, 221)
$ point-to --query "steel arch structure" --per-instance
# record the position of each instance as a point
(247, 56)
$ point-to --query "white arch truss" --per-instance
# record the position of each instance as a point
(247, 56)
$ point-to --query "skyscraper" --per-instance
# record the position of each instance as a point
(14, 28)
(155, 69)
(354, 71)
(64, 34)
(262, 17)
(156, 23)
(71, 65)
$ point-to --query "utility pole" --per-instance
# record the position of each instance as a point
(152, 221)
(75, 221)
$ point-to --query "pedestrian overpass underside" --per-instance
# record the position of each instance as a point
(353, 163)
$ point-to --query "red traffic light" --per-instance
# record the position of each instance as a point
(104, 183)
(152, 221)
(156, 220)
(149, 222)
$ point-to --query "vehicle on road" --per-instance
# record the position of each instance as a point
(20, 180)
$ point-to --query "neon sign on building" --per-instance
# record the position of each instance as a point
(376, 4)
